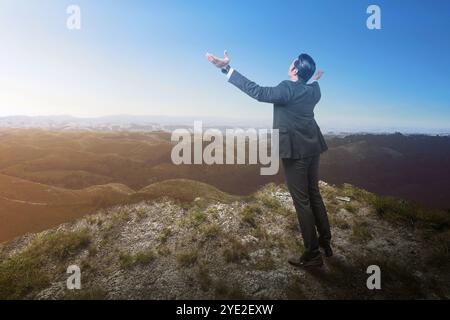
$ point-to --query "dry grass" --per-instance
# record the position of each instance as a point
(361, 231)
(187, 259)
(235, 251)
(250, 213)
(95, 293)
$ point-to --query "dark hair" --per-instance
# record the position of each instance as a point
(305, 66)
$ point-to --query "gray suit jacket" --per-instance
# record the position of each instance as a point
(294, 103)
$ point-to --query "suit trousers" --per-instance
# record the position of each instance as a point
(302, 179)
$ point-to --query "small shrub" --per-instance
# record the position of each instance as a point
(235, 252)
(121, 215)
(361, 231)
(249, 214)
(194, 219)
(165, 235)
(339, 222)
(261, 234)
(187, 259)
(332, 208)
(141, 258)
(350, 207)
(268, 200)
(266, 263)
(141, 214)
(210, 231)
(63, 245)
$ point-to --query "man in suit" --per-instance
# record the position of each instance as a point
(301, 143)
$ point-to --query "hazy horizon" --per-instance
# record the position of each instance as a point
(209, 121)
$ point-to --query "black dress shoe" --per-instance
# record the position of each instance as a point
(327, 251)
(306, 262)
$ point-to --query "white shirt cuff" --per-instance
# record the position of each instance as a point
(230, 72)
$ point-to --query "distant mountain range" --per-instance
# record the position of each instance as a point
(140, 123)
(148, 123)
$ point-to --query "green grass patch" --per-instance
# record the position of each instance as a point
(355, 193)
(141, 258)
(165, 235)
(27, 271)
(410, 213)
(64, 245)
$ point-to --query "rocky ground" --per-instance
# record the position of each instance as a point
(214, 249)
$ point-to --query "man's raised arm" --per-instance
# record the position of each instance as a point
(279, 94)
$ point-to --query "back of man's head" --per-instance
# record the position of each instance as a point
(305, 66)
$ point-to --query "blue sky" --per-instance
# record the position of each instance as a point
(147, 57)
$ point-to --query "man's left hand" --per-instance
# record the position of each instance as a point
(318, 75)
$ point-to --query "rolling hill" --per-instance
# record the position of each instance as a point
(30, 207)
(82, 168)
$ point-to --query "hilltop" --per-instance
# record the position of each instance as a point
(191, 241)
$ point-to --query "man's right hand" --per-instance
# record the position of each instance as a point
(219, 63)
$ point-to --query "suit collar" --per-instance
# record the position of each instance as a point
(299, 80)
